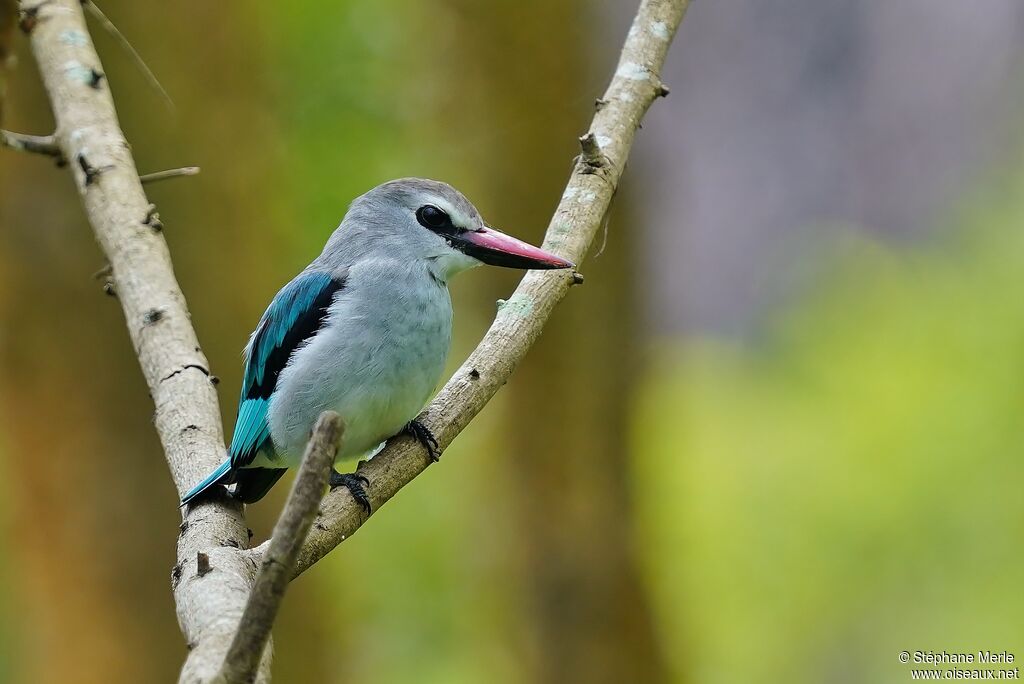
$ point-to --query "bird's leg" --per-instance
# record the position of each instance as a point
(354, 484)
(422, 434)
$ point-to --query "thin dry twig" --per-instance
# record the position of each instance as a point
(147, 73)
(157, 176)
(247, 647)
(36, 144)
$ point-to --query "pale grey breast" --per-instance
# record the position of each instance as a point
(376, 361)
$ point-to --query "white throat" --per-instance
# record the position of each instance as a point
(450, 262)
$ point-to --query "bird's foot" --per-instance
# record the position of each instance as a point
(355, 485)
(422, 434)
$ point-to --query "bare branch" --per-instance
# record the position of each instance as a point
(36, 144)
(157, 176)
(291, 529)
(635, 85)
(212, 577)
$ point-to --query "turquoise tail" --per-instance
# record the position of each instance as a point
(216, 477)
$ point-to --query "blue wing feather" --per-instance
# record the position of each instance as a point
(213, 478)
(251, 431)
(295, 315)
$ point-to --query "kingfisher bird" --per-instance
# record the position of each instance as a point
(364, 330)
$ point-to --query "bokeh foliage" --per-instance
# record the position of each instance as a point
(847, 486)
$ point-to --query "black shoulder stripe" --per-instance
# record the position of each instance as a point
(309, 317)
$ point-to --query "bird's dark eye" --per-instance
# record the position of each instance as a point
(432, 218)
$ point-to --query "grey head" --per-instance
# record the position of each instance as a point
(420, 219)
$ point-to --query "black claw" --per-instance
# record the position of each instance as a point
(355, 484)
(422, 434)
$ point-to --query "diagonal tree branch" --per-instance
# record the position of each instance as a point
(212, 578)
(275, 572)
(581, 212)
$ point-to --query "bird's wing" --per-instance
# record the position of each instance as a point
(293, 317)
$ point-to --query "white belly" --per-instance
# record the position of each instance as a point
(376, 362)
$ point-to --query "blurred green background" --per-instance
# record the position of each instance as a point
(774, 438)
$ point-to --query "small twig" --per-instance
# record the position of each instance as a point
(592, 155)
(605, 223)
(152, 219)
(593, 159)
(243, 657)
(37, 144)
(98, 14)
(169, 173)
